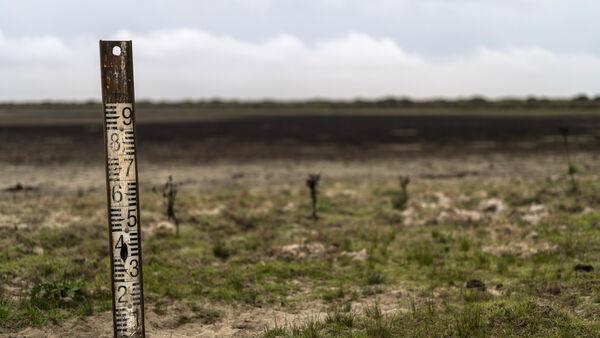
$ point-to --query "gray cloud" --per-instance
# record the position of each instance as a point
(292, 49)
(188, 63)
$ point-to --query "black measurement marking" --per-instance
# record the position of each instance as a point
(113, 169)
(110, 120)
(116, 220)
(119, 270)
(110, 114)
(124, 252)
(132, 190)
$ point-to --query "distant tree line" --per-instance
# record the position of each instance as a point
(475, 102)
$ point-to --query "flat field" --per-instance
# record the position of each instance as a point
(493, 239)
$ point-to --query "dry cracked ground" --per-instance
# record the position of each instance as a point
(481, 245)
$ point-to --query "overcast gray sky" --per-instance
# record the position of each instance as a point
(255, 49)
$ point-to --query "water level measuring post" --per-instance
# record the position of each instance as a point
(116, 62)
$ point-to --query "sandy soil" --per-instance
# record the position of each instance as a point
(239, 321)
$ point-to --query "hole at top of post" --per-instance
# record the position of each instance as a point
(116, 50)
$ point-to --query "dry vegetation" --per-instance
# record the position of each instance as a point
(490, 254)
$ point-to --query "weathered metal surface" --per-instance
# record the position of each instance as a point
(122, 188)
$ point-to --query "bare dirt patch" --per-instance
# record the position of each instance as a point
(180, 320)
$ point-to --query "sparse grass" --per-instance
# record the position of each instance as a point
(504, 318)
(56, 266)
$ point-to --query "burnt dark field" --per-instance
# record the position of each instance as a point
(304, 137)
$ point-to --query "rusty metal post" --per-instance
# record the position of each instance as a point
(116, 61)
